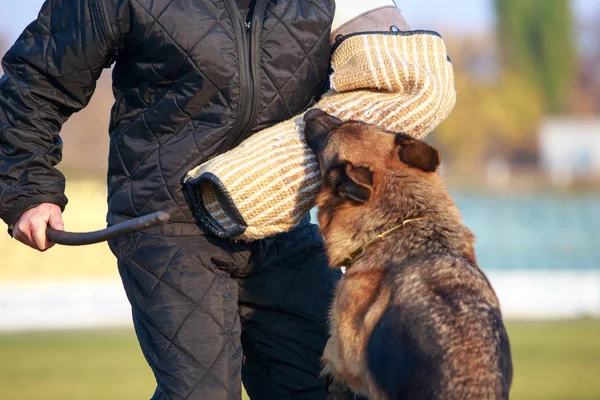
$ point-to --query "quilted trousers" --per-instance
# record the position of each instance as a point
(209, 313)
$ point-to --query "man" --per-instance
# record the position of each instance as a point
(191, 80)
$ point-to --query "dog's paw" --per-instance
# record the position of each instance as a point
(336, 390)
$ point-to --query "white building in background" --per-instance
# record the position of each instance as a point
(570, 149)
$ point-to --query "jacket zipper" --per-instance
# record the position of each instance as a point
(106, 28)
(248, 38)
(255, 29)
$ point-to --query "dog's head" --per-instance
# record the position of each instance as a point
(368, 172)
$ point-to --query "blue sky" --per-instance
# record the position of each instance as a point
(442, 15)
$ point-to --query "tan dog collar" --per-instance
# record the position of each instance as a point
(354, 256)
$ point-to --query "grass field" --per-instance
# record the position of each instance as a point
(553, 360)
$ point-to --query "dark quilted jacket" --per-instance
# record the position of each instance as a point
(191, 80)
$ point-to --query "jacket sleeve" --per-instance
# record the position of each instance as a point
(49, 74)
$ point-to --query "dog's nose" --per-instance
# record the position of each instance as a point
(309, 132)
(309, 123)
(315, 128)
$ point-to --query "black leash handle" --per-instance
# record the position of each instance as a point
(123, 228)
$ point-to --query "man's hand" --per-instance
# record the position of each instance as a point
(31, 227)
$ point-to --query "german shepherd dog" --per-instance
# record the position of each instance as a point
(414, 317)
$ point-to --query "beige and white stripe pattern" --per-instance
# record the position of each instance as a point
(401, 81)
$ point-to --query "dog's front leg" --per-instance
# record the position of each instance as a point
(335, 369)
(336, 389)
(331, 358)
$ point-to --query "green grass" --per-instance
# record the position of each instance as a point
(73, 365)
(553, 360)
(556, 360)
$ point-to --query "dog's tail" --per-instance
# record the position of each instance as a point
(391, 354)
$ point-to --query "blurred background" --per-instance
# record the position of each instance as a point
(521, 157)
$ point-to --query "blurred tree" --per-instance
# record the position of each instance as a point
(497, 111)
(536, 38)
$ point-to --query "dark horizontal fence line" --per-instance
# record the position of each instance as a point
(533, 232)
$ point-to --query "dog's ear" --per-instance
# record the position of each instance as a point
(356, 184)
(318, 122)
(416, 153)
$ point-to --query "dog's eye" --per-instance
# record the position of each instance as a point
(333, 177)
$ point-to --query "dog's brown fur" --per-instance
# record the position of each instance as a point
(413, 317)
